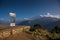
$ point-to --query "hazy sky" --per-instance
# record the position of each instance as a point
(28, 8)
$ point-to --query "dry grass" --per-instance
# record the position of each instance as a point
(19, 36)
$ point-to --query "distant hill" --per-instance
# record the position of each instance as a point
(4, 22)
(46, 22)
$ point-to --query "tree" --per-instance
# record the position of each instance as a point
(37, 26)
(56, 29)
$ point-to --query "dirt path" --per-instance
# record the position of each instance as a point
(21, 36)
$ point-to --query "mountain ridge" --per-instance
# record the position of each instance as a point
(44, 21)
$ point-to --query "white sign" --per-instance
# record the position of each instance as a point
(12, 24)
(12, 14)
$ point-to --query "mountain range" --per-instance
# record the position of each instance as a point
(46, 21)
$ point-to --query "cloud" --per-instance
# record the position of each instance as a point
(22, 19)
(27, 19)
(50, 15)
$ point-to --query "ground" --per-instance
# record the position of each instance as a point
(20, 36)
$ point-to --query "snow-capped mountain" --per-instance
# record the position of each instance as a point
(45, 21)
(49, 15)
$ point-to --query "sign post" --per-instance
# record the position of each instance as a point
(12, 20)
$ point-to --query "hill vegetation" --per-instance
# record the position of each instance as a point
(40, 33)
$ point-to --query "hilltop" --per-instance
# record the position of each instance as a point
(26, 33)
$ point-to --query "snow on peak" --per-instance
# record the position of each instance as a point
(27, 19)
(50, 15)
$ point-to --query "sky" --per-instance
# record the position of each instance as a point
(28, 8)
